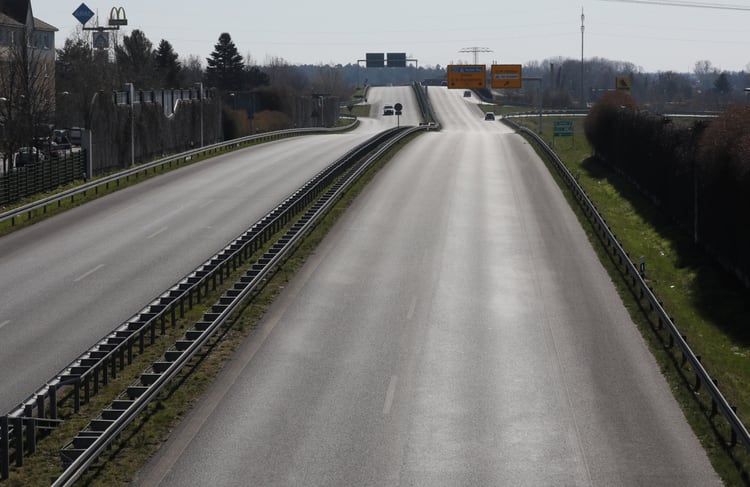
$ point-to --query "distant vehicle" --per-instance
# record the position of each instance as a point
(26, 156)
(388, 110)
(60, 136)
(74, 135)
(489, 116)
(467, 94)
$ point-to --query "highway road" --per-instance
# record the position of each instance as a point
(454, 328)
(68, 281)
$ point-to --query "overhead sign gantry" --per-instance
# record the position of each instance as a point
(467, 76)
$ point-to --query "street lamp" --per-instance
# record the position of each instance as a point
(4, 101)
(132, 123)
(583, 93)
(200, 99)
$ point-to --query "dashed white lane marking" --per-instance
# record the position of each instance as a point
(413, 308)
(4, 323)
(162, 229)
(389, 395)
(84, 276)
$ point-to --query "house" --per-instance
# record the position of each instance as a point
(17, 23)
(27, 71)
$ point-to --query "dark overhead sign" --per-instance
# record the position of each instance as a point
(375, 59)
(396, 59)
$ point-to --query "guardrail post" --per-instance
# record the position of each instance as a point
(4, 449)
(53, 402)
(40, 406)
(18, 433)
(30, 437)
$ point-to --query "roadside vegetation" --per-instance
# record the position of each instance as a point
(707, 302)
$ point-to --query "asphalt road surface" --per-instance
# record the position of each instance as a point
(68, 281)
(454, 328)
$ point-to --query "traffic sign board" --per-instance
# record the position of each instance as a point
(467, 76)
(622, 83)
(83, 14)
(563, 128)
(506, 76)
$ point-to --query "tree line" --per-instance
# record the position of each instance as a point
(697, 172)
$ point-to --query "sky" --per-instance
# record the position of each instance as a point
(653, 36)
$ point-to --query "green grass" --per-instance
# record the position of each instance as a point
(708, 306)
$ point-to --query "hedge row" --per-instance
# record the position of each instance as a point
(698, 173)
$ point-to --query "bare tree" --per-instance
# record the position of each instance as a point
(27, 108)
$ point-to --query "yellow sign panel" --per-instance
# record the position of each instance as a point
(467, 76)
(506, 76)
(622, 83)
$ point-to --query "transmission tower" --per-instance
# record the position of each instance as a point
(475, 50)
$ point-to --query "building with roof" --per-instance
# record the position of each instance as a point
(17, 22)
(27, 72)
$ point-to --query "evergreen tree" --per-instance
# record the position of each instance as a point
(225, 66)
(135, 59)
(254, 78)
(167, 65)
(722, 84)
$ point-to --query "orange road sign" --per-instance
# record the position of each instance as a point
(467, 76)
(505, 76)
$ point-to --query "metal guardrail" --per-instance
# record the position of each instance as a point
(702, 378)
(90, 443)
(111, 353)
(105, 182)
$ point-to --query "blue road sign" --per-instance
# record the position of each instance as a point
(83, 14)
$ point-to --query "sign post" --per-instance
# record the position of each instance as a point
(562, 128)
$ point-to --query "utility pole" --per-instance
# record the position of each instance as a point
(583, 90)
(476, 50)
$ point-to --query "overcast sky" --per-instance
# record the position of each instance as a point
(653, 37)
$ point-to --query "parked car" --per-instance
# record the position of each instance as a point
(388, 110)
(489, 116)
(27, 155)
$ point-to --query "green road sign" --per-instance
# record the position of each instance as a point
(563, 128)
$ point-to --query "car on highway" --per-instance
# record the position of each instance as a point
(489, 116)
(467, 94)
(388, 110)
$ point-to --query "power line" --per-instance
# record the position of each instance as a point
(675, 3)
(475, 50)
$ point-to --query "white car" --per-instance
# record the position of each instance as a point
(388, 110)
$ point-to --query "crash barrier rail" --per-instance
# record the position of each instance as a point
(39, 177)
(167, 162)
(636, 273)
(85, 375)
(85, 448)
(424, 103)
